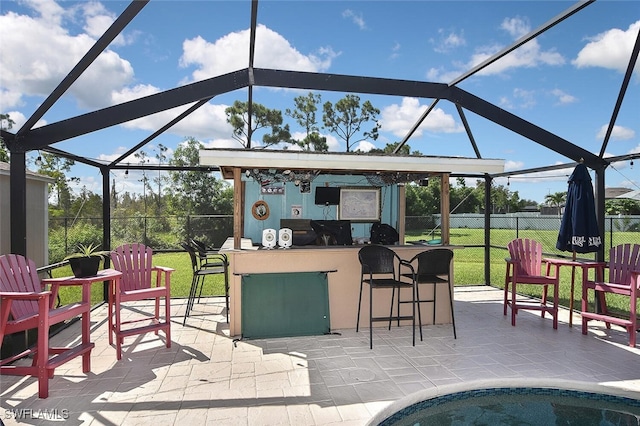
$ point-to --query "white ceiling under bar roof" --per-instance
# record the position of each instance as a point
(344, 163)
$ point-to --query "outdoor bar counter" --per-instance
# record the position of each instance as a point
(313, 289)
(284, 279)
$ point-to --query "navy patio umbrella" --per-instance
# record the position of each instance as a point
(579, 232)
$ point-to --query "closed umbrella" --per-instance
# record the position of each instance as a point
(579, 232)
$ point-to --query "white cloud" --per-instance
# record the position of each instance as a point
(448, 41)
(98, 21)
(529, 55)
(619, 133)
(91, 183)
(398, 119)
(223, 143)
(48, 10)
(525, 98)
(10, 98)
(356, 18)
(37, 53)
(559, 175)
(333, 143)
(441, 75)
(287, 146)
(298, 135)
(395, 51)
(520, 98)
(513, 165)
(610, 49)
(207, 122)
(505, 102)
(621, 164)
(116, 154)
(230, 53)
(516, 27)
(18, 119)
(563, 97)
(364, 146)
(129, 93)
(97, 18)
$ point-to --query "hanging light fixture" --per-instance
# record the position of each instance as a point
(38, 161)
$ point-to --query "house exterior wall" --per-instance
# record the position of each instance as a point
(37, 215)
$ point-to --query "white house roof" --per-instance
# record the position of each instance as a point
(344, 163)
(5, 169)
(632, 195)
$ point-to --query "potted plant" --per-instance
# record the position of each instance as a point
(86, 261)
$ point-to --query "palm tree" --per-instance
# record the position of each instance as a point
(557, 199)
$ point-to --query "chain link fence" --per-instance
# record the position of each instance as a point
(164, 233)
(468, 231)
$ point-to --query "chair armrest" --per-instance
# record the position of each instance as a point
(214, 258)
(162, 269)
(407, 264)
(216, 254)
(23, 296)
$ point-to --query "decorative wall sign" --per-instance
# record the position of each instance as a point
(360, 204)
(260, 210)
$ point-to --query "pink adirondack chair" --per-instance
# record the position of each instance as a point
(24, 305)
(135, 263)
(624, 279)
(524, 266)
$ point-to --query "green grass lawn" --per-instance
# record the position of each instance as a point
(180, 279)
(468, 268)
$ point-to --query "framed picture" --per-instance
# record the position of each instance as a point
(360, 204)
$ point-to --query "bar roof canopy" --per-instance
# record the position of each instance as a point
(344, 163)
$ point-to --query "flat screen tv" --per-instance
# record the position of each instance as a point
(327, 196)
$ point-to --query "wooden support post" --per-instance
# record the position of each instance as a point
(445, 221)
(402, 211)
(237, 207)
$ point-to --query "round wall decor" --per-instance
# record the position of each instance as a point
(260, 210)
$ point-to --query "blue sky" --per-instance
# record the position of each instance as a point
(566, 81)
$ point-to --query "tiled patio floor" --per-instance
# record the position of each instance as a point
(207, 378)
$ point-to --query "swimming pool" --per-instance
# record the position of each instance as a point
(519, 405)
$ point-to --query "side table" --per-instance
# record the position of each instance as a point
(110, 275)
(585, 265)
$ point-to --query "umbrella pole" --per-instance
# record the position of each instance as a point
(573, 277)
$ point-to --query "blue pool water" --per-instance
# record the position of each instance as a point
(519, 406)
